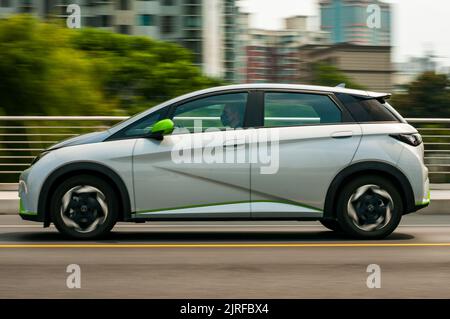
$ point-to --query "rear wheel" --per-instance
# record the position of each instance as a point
(84, 207)
(369, 207)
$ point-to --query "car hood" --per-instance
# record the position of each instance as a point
(89, 138)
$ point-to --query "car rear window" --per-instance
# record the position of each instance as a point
(367, 110)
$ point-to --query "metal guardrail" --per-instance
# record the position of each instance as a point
(23, 137)
(436, 135)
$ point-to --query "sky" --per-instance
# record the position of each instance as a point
(418, 25)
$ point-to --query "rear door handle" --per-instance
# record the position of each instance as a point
(236, 145)
(233, 143)
(342, 134)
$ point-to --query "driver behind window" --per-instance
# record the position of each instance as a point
(233, 115)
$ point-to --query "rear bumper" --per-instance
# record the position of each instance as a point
(418, 207)
(425, 203)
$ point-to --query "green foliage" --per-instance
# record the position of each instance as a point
(41, 74)
(140, 72)
(427, 96)
(47, 69)
(329, 75)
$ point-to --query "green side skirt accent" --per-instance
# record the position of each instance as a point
(229, 203)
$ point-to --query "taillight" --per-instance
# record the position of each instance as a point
(414, 139)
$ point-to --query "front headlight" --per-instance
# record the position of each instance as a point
(23, 189)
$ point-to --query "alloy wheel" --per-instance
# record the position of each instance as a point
(83, 208)
(370, 207)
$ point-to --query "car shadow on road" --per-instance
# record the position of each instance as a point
(200, 236)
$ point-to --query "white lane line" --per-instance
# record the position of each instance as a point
(220, 245)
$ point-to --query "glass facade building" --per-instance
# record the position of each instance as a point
(347, 21)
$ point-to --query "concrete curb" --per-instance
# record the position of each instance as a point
(440, 203)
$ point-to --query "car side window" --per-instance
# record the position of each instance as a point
(297, 109)
(144, 125)
(218, 111)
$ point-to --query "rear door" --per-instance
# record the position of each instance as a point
(310, 139)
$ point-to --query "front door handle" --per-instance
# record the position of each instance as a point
(342, 134)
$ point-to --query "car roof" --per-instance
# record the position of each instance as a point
(265, 86)
(268, 86)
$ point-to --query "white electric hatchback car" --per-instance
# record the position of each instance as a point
(245, 152)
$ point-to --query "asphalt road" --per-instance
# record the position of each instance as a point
(226, 260)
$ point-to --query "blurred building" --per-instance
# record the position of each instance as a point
(207, 27)
(242, 40)
(408, 71)
(346, 20)
(369, 66)
(272, 55)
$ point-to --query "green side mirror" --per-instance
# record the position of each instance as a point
(163, 127)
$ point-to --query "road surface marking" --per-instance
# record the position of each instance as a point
(170, 226)
(206, 226)
(262, 245)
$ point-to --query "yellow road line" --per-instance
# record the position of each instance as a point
(250, 245)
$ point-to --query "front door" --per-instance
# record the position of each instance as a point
(196, 171)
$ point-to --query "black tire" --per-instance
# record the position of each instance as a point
(110, 199)
(346, 222)
(331, 224)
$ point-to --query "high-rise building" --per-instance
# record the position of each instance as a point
(206, 27)
(242, 40)
(356, 21)
(272, 55)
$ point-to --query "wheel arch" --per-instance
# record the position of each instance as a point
(88, 168)
(386, 170)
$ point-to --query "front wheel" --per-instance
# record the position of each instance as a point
(369, 207)
(84, 207)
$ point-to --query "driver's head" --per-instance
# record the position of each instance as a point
(233, 115)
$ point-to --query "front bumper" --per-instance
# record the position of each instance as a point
(28, 215)
(25, 208)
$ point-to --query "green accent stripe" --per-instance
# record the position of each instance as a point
(228, 203)
(191, 206)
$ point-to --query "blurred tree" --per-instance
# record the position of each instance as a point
(47, 69)
(41, 74)
(138, 71)
(329, 75)
(427, 96)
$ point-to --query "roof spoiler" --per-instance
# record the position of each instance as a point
(379, 96)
